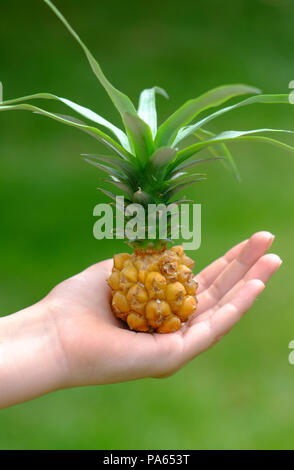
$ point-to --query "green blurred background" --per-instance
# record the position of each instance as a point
(239, 394)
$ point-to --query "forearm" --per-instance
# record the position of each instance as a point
(30, 357)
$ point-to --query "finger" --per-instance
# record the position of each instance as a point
(94, 278)
(257, 245)
(263, 269)
(204, 333)
(105, 265)
(227, 316)
(99, 271)
(206, 277)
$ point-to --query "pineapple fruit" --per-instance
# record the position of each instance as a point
(153, 289)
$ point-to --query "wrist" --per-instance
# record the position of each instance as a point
(31, 357)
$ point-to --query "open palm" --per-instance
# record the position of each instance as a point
(97, 348)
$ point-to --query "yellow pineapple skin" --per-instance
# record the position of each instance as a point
(153, 291)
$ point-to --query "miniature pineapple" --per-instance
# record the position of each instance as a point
(153, 289)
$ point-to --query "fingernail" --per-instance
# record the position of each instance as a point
(267, 234)
(275, 257)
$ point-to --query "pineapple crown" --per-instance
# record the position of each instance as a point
(149, 163)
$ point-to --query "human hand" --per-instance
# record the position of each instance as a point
(71, 338)
(96, 348)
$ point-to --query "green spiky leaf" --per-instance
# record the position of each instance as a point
(141, 138)
(147, 107)
(232, 136)
(126, 168)
(218, 150)
(265, 99)
(101, 136)
(121, 101)
(85, 112)
(112, 195)
(182, 177)
(190, 164)
(186, 113)
(159, 161)
(125, 187)
(109, 170)
(179, 187)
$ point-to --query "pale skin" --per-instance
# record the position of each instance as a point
(71, 338)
